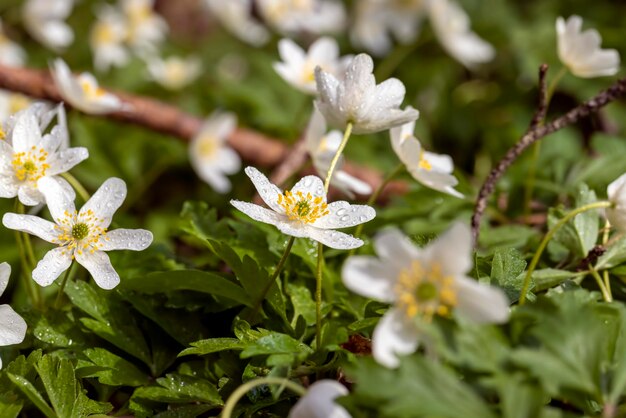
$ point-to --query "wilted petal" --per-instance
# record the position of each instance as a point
(126, 239)
(50, 267)
(481, 303)
(100, 268)
(394, 335)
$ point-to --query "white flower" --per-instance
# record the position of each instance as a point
(319, 401)
(235, 15)
(313, 16)
(322, 147)
(82, 91)
(11, 54)
(146, 29)
(617, 196)
(376, 20)
(29, 156)
(174, 73)
(452, 27)
(45, 21)
(580, 51)
(358, 100)
(430, 169)
(80, 235)
(298, 67)
(420, 283)
(10, 104)
(12, 325)
(107, 38)
(210, 157)
(303, 211)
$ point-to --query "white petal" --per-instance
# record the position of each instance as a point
(310, 184)
(333, 239)
(29, 195)
(12, 326)
(481, 303)
(318, 402)
(26, 133)
(5, 273)
(268, 191)
(394, 335)
(100, 268)
(214, 178)
(349, 183)
(370, 277)
(228, 160)
(343, 215)
(58, 200)
(258, 213)
(126, 239)
(34, 225)
(219, 125)
(50, 267)
(452, 250)
(67, 159)
(395, 248)
(106, 200)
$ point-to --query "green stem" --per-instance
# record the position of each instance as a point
(57, 303)
(548, 237)
(333, 163)
(28, 260)
(82, 192)
(605, 273)
(272, 280)
(605, 293)
(234, 397)
(318, 295)
(554, 83)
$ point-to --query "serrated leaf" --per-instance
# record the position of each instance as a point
(110, 369)
(506, 267)
(213, 345)
(180, 388)
(32, 394)
(10, 405)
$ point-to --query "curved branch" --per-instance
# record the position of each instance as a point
(535, 133)
(152, 114)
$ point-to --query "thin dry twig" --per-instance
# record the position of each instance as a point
(291, 164)
(537, 132)
(160, 117)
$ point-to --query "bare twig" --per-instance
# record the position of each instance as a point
(542, 105)
(536, 133)
(253, 147)
(291, 164)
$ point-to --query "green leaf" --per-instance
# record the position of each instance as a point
(213, 345)
(10, 405)
(419, 387)
(546, 278)
(32, 394)
(302, 301)
(507, 266)
(113, 320)
(615, 255)
(185, 411)
(179, 388)
(195, 280)
(110, 369)
(281, 349)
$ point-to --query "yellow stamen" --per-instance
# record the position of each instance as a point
(30, 165)
(78, 234)
(301, 207)
(424, 163)
(425, 290)
(90, 90)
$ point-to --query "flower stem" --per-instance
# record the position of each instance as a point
(374, 197)
(318, 295)
(605, 273)
(272, 280)
(548, 237)
(27, 258)
(605, 293)
(84, 194)
(57, 303)
(234, 397)
(333, 163)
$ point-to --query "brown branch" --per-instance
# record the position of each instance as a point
(542, 106)
(291, 164)
(536, 133)
(253, 147)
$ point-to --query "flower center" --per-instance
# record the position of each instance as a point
(18, 102)
(207, 147)
(425, 290)
(301, 207)
(175, 72)
(91, 91)
(103, 34)
(424, 163)
(30, 165)
(80, 232)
